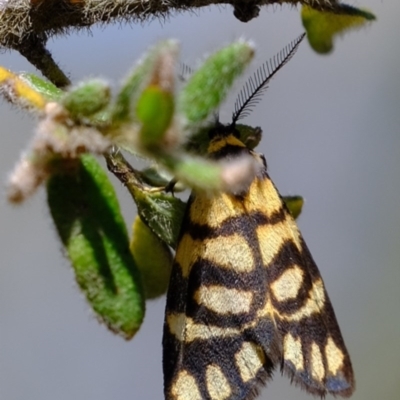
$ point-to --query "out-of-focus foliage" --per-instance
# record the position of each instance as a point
(323, 26)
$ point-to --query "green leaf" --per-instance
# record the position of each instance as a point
(47, 89)
(322, 26)
(162, 213)
(294, 204)
(86, 213)
(19, 92)
(153, 258)
(209, 85)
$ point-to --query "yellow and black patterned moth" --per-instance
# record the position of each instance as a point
(245, 294)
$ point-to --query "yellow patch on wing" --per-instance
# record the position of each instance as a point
(186, 330)
(223, 300)
(176, 325)
(314, 304)
(317, 364)
(217, 384)
(205, 332)
(334, 357)
(287, 286)
(292, 351)
(185, 387)
(249, 360)
(187, 253)
(273, 237)
(230, 252)
(213, 210)
(263, 197)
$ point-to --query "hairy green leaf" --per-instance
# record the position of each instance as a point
(86, 213)
(209, 85)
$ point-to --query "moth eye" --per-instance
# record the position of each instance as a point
(212, 133)
(235, 132)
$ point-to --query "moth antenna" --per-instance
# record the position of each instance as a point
(254, 88)
(185, 71)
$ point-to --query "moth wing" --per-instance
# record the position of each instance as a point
(246, 295)
(312, 350)
(210, 351)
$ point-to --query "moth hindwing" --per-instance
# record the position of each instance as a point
(246, 296)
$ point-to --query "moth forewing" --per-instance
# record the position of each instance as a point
(212, 302)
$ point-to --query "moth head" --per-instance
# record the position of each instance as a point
(221, 130)
(250, 95)
(247, 98)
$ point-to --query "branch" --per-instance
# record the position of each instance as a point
(21, 18)
(34, 50)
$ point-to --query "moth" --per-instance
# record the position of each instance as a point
(245, 294)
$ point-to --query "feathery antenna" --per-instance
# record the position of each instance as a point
(254, 88)
(185, 71)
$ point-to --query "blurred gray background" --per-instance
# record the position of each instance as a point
(331, 133)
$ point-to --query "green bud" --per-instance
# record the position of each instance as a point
(124, 109)
(153, 258)
(155, 109)
(87, 98)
